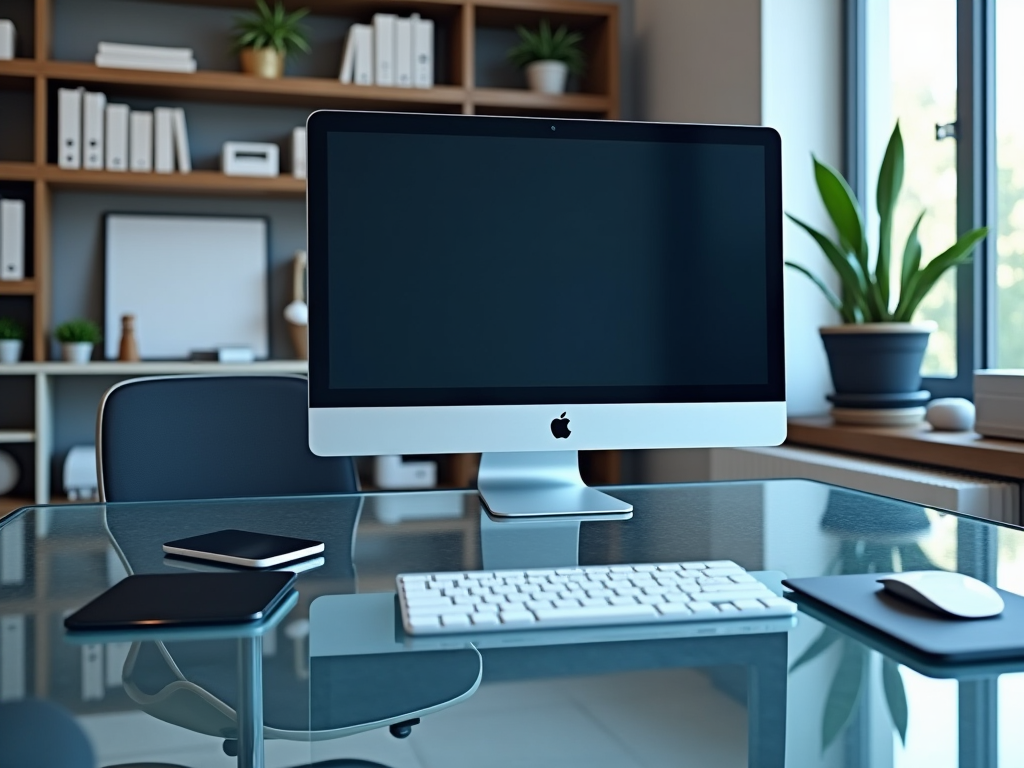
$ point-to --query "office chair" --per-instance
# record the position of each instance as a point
(215, 437)
(172, 438)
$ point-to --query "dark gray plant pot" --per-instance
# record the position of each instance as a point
(876, 358)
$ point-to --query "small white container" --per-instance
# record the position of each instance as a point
(7, 39)
(547, 76)
(10, 350)
(77, 351)
(999, 402)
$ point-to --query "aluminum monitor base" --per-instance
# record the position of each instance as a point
(541, 484)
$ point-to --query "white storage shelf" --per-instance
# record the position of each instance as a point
(44, 373)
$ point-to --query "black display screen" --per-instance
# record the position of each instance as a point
(511, 261)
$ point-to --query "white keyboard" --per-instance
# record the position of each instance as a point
(495, 601)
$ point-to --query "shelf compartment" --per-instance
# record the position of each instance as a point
(194, 183)
(16, 436)
(521, 98)
(245, 89)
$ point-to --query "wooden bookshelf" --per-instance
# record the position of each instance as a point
(194, 183)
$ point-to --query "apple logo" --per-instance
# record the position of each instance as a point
(560, 427)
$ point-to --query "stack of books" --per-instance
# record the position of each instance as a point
(95, 135)
(392, 52)
(156, 57)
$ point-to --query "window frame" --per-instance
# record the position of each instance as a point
(976, 335)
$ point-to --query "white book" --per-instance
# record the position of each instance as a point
(422, 52)
(111, 61)
(181, 148)
(12, 239)
(8, 37)
(145, 51)
(363, 68)
(117, 137)
(94, 108)
(163, 141)
(140, 141)
(12, 657)
(384, 48)
(299, 153)
(69, 127)
(348, 58)
(403, 53)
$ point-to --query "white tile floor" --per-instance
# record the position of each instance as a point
(631, 720)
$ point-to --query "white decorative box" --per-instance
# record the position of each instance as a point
(999, 401)
(250, 158)
(7, 39)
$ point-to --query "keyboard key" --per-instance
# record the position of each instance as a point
(700, 607)
(624, 600)
(728, 597)
(591, 602)
(692, 566)
(732, 586)
(779, 603)
(742, 578)
(722, 571)
(650, 599)
(728, 608)
(674, 609)
(424, 622)
(533, 605)
(567, 603)
(517, 619)
(645, 568)
(721, 564)
(455, 620)
(612, 614)
(749, 605)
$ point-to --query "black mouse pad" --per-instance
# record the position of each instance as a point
(186, 599)
(942, 638)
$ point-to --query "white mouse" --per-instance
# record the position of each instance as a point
(952, 414)
(951, 594)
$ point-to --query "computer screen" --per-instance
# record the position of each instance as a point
(510, 261)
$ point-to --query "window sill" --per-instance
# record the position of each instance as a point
(964, 451)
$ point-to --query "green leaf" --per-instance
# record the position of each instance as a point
(848, 269)
(559, 45)
(846, 312)
(895, 696)
(911, 257)
(843, 209)
(823, 642)
(843, 693)
(890, 179)
(958, 253)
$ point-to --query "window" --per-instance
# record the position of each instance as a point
(929, 64)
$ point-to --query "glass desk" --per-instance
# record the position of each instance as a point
(326, 679)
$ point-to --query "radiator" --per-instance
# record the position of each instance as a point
(997, 500)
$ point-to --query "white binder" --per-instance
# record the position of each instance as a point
(163, 143)
(12, 239)
(348, 58)
(384, 48)
(117, 137)
(403, 53)
(94, 107)
(69, 128)
(181, 148)
(299, 152)
(140, 141)
(363, 74)
(422, 52)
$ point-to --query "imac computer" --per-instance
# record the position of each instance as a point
(527, 288)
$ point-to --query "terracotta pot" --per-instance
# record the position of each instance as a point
(263, 62)
(547, 76)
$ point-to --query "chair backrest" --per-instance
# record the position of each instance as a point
(211, 437)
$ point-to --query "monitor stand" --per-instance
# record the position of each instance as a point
(541, 484)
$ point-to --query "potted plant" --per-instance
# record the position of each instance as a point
(875, 355)
(77, 338)
(11, 335)
(265, 37)
(548, 57)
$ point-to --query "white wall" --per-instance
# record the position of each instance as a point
(768, 62)
(698, 61)
(802, 98)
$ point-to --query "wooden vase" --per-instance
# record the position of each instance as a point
(129, 350)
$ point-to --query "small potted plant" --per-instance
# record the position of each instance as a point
(11, 336)
(265, 37)
(548, 57)
(875, 356)
(77, 338)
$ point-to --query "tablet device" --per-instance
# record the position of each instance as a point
(185, 599)
(246, 548)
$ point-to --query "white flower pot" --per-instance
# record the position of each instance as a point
(10, 350)
(77, 351)
(547, 76)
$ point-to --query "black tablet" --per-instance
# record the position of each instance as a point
(186, 599)
(245, 548)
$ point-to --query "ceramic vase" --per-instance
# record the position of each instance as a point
(547, 76)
